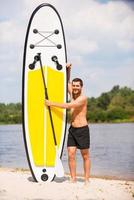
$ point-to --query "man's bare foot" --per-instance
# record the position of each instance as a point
(72, 180)
(87, 182)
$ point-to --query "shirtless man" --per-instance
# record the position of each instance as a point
(78, 136)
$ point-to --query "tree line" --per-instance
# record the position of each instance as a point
(10, 113)
(117, 105)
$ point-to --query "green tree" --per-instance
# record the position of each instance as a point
(116, 113)
(103, 101)
(115, 90)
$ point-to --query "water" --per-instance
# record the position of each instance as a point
(111, 152)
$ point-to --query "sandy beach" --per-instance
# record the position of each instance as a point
(17, 184)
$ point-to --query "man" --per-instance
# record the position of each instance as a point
(78, 136)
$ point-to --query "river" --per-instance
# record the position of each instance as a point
(111, 152)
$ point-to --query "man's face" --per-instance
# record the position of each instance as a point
(76, 88)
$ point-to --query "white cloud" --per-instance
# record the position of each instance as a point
(126, 45)
(91, 21)
(105, 24)
(92, 29)
(83, 46)
(99, 80)
(11, 32)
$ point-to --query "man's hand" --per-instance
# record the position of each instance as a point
(68, 65)
(47, 102)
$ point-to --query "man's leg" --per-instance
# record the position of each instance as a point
(72, 162)
(86, 162)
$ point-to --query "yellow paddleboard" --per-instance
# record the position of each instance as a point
(46, 38)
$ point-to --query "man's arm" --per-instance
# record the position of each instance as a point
(74, 104)
(68, 68)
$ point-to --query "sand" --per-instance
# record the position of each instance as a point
(18, 184)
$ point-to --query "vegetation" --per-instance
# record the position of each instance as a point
(10, 113)
(116, 105)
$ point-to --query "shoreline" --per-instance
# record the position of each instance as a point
(99, 122)
(106, 177)
(18, 184)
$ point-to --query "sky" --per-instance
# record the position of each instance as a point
(99, 37)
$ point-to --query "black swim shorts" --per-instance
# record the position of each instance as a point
(79, 137)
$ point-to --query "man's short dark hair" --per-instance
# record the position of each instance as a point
(78, 80)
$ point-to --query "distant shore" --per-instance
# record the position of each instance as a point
(114, 106)
(99, 122)
(18, 184)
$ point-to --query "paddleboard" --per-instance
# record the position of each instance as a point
(44, 76)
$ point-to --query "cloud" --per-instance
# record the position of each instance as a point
(11, 32)
(126, 45)
(92, 22)
(99, 36)
(83, 46)
(103, 79)
(105, 24)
